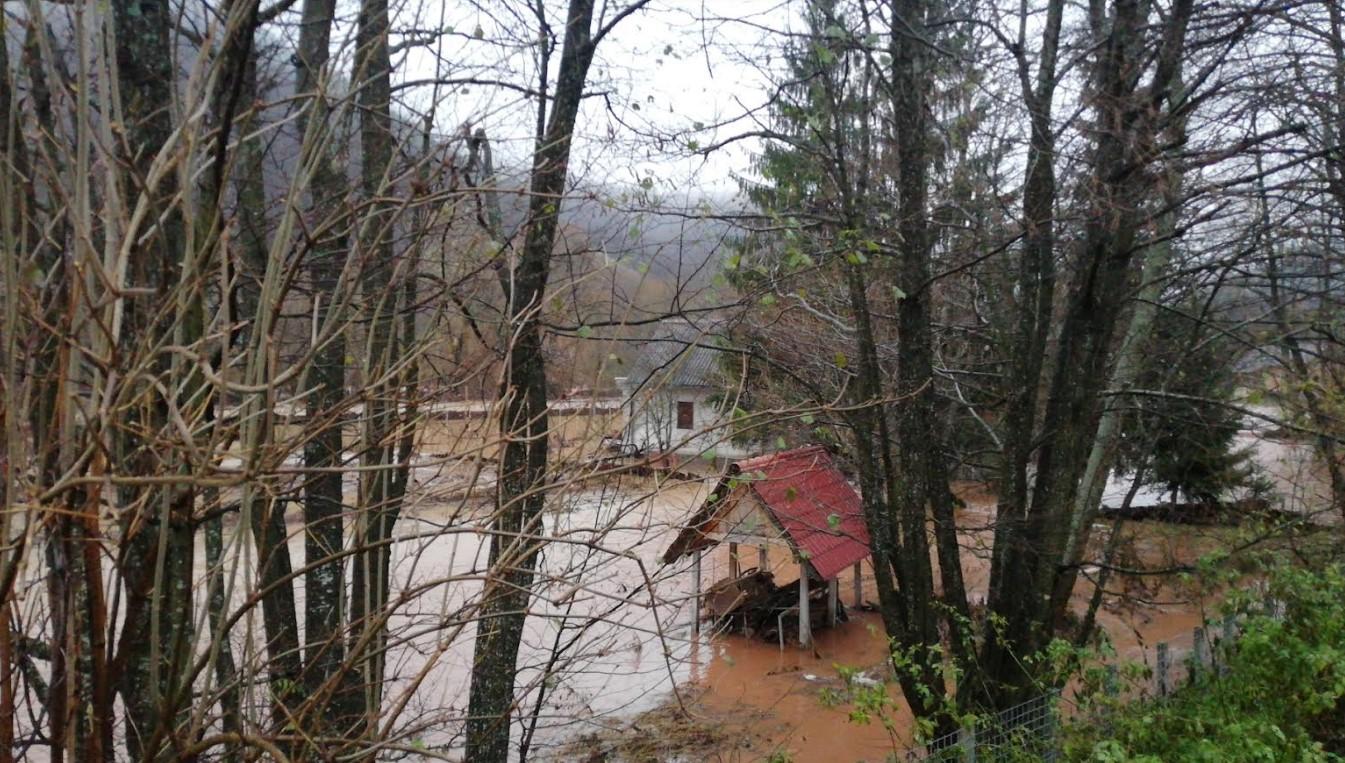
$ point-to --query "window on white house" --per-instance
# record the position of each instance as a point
(686, 415)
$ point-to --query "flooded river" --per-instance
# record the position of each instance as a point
(627, 647)
(609, 641)
(619, 646)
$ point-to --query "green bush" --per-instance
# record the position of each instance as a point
(1279, 699)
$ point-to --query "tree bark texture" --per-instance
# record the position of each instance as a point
(523, 424)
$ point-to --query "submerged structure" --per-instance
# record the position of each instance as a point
(797, 500)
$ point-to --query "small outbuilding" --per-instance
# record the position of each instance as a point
(796, 499)
(677, 398)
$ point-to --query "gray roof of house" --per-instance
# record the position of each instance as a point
(679, 354)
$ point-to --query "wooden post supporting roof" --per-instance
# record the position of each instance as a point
(833, 593)
(696, 596)
(805, 618)
(859, 587)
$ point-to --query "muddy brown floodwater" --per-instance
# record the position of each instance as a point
(640, 656)
(762, 699)
(626, 623)
(625, 620)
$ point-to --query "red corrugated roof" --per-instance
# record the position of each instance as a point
(815, 506)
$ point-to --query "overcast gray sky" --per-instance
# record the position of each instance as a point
(680, 73)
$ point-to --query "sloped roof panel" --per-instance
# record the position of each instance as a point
(678, 355)
(816, 507)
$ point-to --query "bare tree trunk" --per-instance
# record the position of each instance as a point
(897, 541)
(1035, 302)
(523, 423)
(379, 503)
(895, 481)
(324, 584)
(1125, 368)
(236, 88)
(11, 233)
(1129, 116)
(155, 642)
(1334, 159)
(1297, 360)
(923, 485)
(226, 675)
(49, 422)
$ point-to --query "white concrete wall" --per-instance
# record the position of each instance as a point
(651, 423)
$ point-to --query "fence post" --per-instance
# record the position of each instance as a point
(1049, 726)
(966, 739)
(1199, 653)
(1162, 669)
(1226, 648)
(1274, 608)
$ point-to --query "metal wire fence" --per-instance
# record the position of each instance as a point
(1024, 732)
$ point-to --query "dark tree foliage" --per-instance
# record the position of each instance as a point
(1185, 436)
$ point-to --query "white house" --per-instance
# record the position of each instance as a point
(677, 397)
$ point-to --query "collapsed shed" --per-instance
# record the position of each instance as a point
(795, 499)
